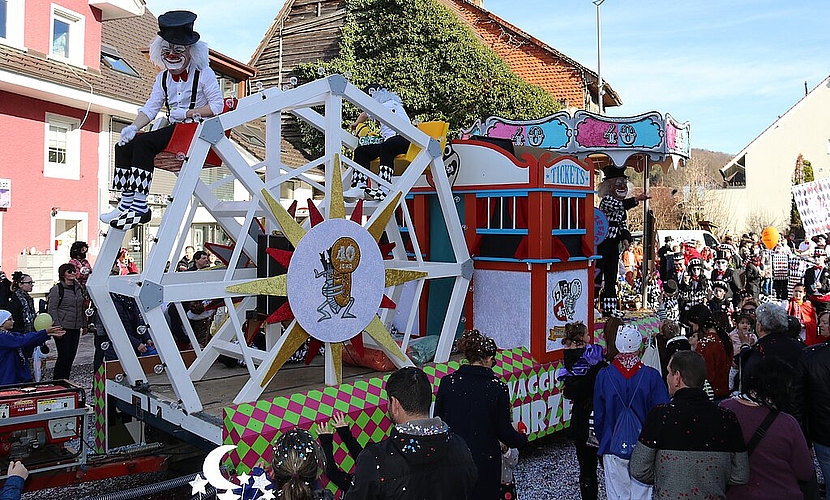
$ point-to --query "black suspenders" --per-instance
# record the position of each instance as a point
(193, 90)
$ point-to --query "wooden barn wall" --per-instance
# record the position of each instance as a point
(310, 32)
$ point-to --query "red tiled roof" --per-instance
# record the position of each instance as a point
(530, 58)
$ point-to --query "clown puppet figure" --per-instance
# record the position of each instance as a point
(188, 90)
(392, 145)
(616, 200)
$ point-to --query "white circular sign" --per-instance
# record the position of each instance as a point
(336, 280)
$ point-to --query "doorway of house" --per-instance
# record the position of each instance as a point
(67, 228)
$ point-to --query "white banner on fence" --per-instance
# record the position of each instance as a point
(813, 202)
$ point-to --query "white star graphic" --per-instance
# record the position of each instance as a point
(228, 495)
(243, 479)
(198, 484)
(267, 495)
(261, 482)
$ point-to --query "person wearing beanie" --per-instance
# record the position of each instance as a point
(187, 89)
(624, 387)
(14, 369)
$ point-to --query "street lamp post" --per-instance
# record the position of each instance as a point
(600, 85)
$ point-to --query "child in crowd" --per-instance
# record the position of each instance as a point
(668, 308)
(298, 463)
(720, 305)
(795, 307)
(670, 340)
(14, 368)
(743, 335)
(509, 461)
(325, 434)
(582, 361)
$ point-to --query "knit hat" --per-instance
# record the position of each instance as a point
(628, 339)
(4, 315)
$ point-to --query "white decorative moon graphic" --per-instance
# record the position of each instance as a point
(211, 468)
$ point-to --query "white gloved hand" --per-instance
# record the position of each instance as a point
(127, 134)
(178, 115)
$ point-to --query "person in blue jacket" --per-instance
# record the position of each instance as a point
(626, 382)
(14, 484)
(14, 369)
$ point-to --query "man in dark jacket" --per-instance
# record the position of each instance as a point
(811, 400)
(421, 458)
(771, 326)
(690, 448)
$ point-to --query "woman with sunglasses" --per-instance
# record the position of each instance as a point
(21, 305)
(65, 303)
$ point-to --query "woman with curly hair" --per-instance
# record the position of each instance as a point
(77, 257)
(475, 403)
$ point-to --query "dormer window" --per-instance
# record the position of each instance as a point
(111, 58)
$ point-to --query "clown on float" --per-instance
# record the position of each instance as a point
(189, 91)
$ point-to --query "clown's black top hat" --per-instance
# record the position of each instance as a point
(176, 26)
(611, 172)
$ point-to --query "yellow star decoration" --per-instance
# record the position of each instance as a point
(277, 285)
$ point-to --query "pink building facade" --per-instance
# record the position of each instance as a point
(61, 87)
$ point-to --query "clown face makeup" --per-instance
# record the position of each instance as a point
(620, 187)
(176, 58)
(721, 265)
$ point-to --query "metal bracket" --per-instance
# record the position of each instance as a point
(212, 130)
(151, 295)
(467, 269)
(434, 148)
(337, 84)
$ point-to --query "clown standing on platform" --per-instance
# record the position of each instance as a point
(187, 88)
(615, 203)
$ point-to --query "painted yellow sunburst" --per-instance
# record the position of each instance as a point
(278, 285)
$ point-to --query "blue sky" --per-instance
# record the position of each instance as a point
(730, 67)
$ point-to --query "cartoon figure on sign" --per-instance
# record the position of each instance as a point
(339, 262)
(564, 299)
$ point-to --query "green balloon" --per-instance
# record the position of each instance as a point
(43, 321)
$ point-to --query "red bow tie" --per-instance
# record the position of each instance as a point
(180, 77)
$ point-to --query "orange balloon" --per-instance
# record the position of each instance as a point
(769, 237)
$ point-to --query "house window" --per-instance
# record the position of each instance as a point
(4, 13)
(67, 36)
(63, 147)
(11, 22)
(229, 87)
